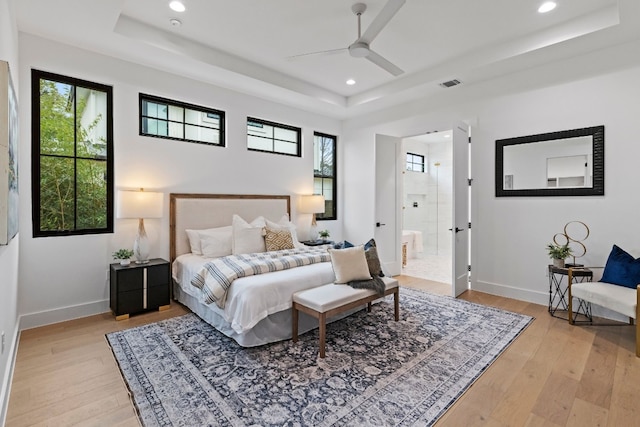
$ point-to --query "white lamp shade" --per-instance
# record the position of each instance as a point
(312, 204)
(139, 204)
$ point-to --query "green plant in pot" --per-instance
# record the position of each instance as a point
(558, 253)
(324, 234)
(124, 255)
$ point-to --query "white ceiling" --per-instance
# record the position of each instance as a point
(246, 45)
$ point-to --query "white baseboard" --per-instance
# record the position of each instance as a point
(33, 320)
(8, 369)
(527, 295)
(536, 297)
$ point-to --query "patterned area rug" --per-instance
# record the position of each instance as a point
(183, 372)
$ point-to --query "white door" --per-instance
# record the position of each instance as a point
(460, 226)
(388, 225)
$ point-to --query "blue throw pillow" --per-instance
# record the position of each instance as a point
(343, 245)
(347, 244)
(621, 269)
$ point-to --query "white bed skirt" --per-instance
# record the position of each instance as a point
(273, 328)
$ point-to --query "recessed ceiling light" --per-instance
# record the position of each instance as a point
(178, 6)
(175, 22)
(547, 6)
(351, 82)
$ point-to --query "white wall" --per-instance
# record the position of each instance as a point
(65, 277)
(9, 253)
(509, 234)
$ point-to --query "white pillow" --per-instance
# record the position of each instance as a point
(349, 264)
(247, 237)
(284, 224)
(216, 244)
(195, 237)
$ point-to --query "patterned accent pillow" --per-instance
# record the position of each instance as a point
(277, 240)
(285, 224)
(373, 261)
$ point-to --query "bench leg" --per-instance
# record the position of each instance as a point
(369, 307)
(396, 304)
(323, 332)
(294, 323)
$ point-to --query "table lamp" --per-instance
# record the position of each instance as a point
(140, 204)
(312, 204)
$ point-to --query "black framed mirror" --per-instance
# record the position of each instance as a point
(565, 163)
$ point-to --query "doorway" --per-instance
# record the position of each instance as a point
(427, 207)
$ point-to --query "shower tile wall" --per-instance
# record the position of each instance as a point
(432, 191)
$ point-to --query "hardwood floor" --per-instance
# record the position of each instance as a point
(554, 374)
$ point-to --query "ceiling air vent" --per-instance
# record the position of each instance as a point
(451, 83)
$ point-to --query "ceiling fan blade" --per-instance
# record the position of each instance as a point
(380, 21)
(383, 63)
(320, 52)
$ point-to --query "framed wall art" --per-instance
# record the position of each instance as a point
(8, 156)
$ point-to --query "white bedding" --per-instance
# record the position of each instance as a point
(251, 299)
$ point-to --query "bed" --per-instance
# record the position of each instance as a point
(257, 309)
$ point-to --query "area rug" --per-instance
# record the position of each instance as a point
(182, 372)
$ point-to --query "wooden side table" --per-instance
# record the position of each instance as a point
(139, 287)
(558, 287)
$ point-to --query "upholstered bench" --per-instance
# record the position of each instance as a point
(329, 300)
(614, 297)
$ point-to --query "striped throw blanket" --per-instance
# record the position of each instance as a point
(216, 276)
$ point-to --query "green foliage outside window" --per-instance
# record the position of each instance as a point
(73, 186)
(324, 173)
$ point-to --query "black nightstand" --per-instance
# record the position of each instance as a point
(317, 242)
(139, 287)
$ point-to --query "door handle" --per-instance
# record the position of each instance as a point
(457, 229)
(378, 224)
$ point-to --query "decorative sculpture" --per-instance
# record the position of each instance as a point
(578, 249)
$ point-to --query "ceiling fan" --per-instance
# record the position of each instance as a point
(360, 48)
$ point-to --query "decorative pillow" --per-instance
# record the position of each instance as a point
(621, 269)
(343, 245)
(371, 254)
(349, 264)
(216, 244)
(370, 244)
(277, 240)
(284, 224)
(247, 237)
(195, 237)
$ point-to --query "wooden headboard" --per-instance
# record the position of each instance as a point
(199, 211)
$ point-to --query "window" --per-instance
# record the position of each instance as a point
(72, 160)
(324, 172)
(415, 162)
(164, 118)
(273, 137)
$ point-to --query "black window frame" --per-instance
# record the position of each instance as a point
(333, 215)
(36, 76)
(185, 106)
(276, 125)
(421, 162)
